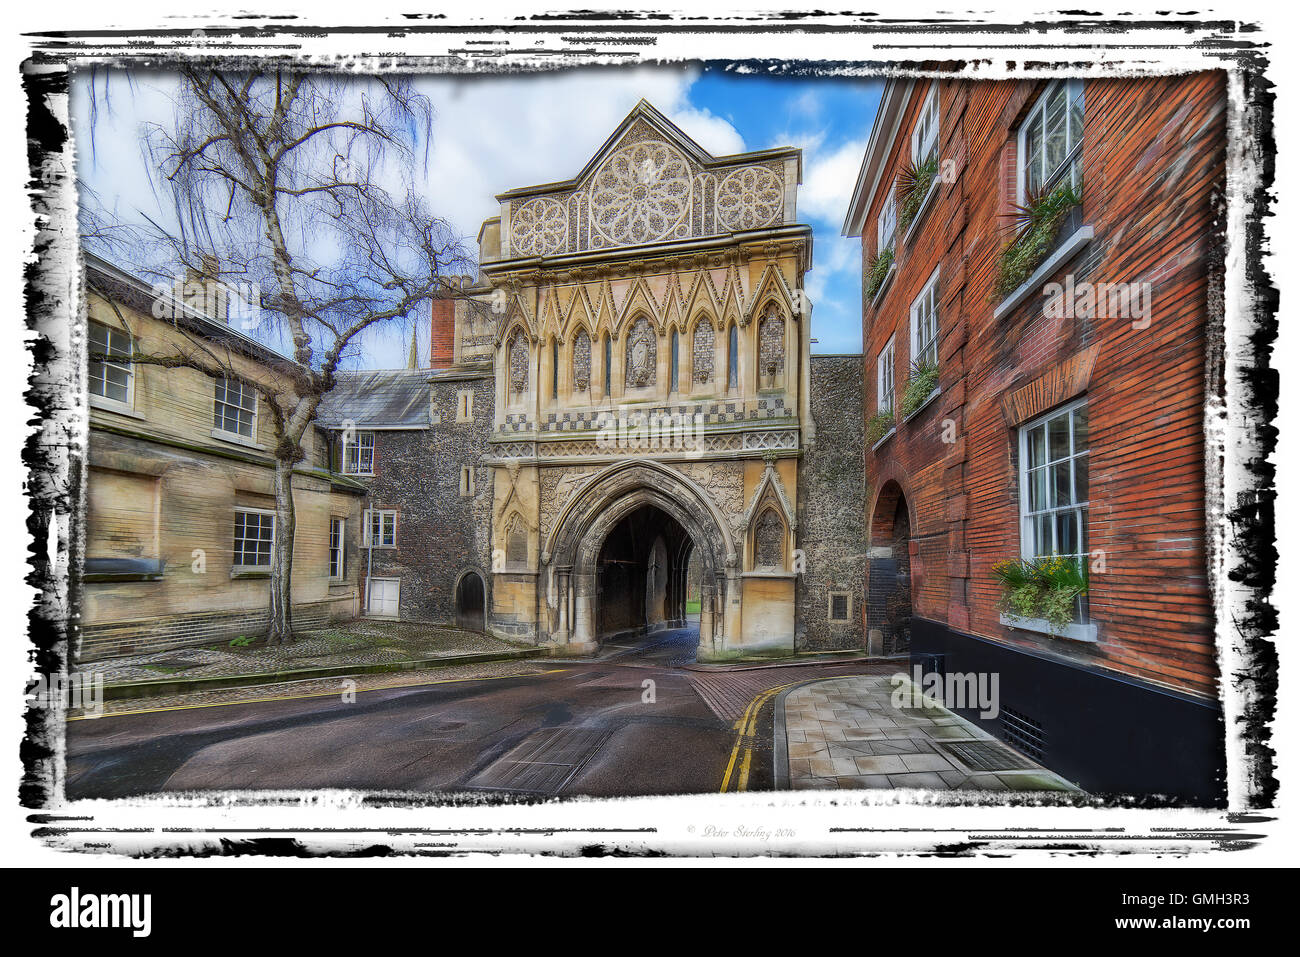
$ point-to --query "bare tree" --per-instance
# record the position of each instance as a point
(303, 188)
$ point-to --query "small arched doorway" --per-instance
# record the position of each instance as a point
(470, 602)
(889, 574)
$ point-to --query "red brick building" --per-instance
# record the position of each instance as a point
(1043, 392)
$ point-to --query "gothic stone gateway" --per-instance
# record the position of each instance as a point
(653, 398)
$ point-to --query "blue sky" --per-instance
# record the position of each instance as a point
(493, 133)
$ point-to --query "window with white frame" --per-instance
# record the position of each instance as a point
(887, 221)
(110, 376)
(254, 535)
(885, 378)
(1051, 139)
(336, 548)
(380, 528)
(234, 408)
(1054, 484)
(358, 453)
(925, 324)
(925, 135)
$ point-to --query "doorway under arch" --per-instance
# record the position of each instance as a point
(470, 602)
(620, 554)
(889, 574)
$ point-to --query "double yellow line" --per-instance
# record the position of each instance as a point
(746, 732)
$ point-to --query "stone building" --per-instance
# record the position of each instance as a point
(180, 503)
(652, 396)
(626, 385)
(1044, 393)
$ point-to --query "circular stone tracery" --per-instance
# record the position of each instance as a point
(749, 198)
(539, 227)
(641, 194)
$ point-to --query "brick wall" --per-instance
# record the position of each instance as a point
(831, 528)
(1152, 159)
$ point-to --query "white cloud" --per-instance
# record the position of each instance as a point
(828, 182)
(498, 133)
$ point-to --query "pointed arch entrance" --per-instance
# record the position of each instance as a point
(889, 574)
(619, 553)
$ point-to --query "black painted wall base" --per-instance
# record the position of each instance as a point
(1106, 733)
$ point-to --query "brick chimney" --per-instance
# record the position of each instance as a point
(442, 332)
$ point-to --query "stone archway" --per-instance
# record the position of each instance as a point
(889, 574)
(632, 492)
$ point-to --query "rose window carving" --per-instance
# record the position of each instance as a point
(749, 198)
(641, 354)
(539, 227)
(641, 194)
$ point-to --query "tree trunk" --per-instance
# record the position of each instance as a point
(280, 624)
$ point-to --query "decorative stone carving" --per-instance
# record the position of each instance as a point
(518, 364)
(642, 354)
(749, 198)
(769, 544)
(539, 227)
(582, 361)
(771, 348)
(702, 352)
(641, 194)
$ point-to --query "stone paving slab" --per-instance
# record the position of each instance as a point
(845, 732)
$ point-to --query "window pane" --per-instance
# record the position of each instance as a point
(1038, 490)
(1058, 438)
(1081, 479)
(1067, 535)
(1043, 535)
(1076, 114)
(1061, 485)
(1056, 122)
(1081, 428)
(1037, 446)
(1034, 154)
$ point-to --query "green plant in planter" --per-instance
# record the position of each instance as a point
(878, 426)
(1044, 587)
(921, 381)
(914, 182)
(1036, 223)
(877, 270)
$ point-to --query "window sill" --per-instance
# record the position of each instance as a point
(357, 474)
(884, 285)
(1074, 632)
(234, 438)
(243, 572)
(1081, 237)
(117, 408)
(924, 208)
(381, 548)
(921, 408)
(884, 438)
(767, 573)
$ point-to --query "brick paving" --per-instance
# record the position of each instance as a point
(845, 732)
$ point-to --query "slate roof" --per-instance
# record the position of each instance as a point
(377, 399)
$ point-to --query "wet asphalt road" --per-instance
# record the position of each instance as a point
(573, 727)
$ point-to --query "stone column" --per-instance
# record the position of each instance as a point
(583, 640)
(562, 598)
(706, 618)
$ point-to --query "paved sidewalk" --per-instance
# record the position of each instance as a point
(351, 643)
(846, 733)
